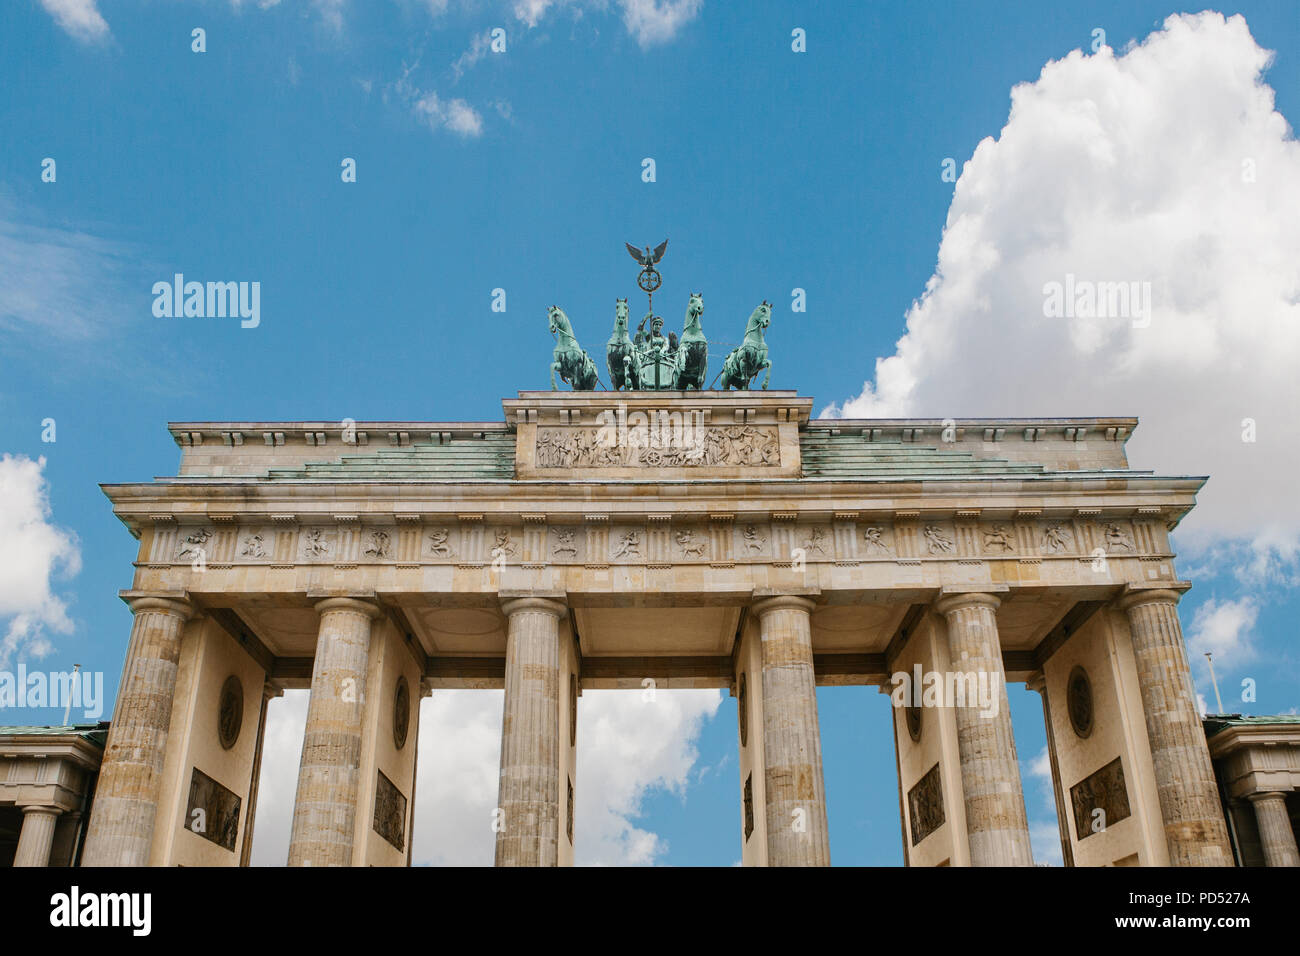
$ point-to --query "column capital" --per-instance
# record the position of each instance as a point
(953, 600)
(27, 808)
(550, 604)
(1037, 682)
(782, 602)
(356, 605)
(177, 603)
(1135, 595)
(1260, 796)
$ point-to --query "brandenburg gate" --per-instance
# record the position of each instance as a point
(696, 538)
(664, 530)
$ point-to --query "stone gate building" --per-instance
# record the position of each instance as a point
(701, 539)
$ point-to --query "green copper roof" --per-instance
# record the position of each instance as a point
(95, 733)
(492, 456)
(1217, 722)
(853, 456)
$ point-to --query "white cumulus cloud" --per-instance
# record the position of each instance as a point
(33, 551)
(1166, 165)
(629, 745)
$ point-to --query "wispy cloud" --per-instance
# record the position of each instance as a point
(657, 21)
(530, 12)
(649, 22)
(478, 48)
(329, 11)
(455, 115)
(80, 19)
(59, 282)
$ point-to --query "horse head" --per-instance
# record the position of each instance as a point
(695, 308)
(762, 316)
(559, 321)
(620, 315)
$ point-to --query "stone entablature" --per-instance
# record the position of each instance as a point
(840, 538)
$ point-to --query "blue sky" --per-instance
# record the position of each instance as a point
(522, 170)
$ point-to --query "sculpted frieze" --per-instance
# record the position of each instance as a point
(437, 540)
(874, 539)
(687, 446)
(1057, 538)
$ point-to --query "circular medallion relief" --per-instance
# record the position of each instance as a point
(742, 709)
(1078, 701)
(230, 712)
(401, 713)
(912, 714)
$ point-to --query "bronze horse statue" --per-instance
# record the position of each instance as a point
(620, 356)
(569, 359)
(750, 357)
(692, 360)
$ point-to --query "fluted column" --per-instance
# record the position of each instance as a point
(528, 828)
(996, 823)
(1275, 833)
(126, 797)
(37, 836)
(1189, 799)
(325, 810)
(797, 833)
